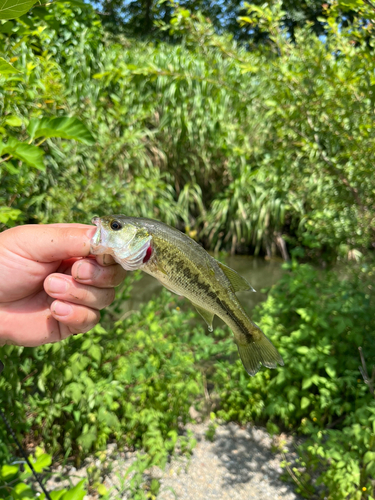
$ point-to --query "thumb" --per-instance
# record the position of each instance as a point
(49, 242)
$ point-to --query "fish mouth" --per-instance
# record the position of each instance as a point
(95, 240)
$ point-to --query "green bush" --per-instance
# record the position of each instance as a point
(134, 380)
(128, 383)
(317, 320)
(15, 483)
(345, 457)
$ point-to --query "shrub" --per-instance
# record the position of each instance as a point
(317, 320)
(15, 483)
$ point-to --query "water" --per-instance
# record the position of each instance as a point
(259, 273)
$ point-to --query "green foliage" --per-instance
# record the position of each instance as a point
(67, 128)
(134, 380)
(15, 483)
(248, 148)
(319, 346)
(317, 323)
(128, 382)
(345, 457)
(6, 68)
(140, 18)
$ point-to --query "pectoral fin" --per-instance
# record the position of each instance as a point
(206, 315)
(238, 282)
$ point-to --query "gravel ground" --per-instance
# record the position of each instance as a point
(238, 465)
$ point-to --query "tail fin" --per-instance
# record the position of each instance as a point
(258, 352)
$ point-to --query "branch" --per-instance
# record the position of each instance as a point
(370, 4)
(6, 159)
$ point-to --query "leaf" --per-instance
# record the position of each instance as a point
(77, 3)
(74, 390)
(95, 352)
(22, 490)
(87, 439)
(76, 493)
(6, 68)
(11, 9)
(8, 471)
(331, 371)
(350, 4)
(305, 402)
(7, 27)
(41, 463)
(9, 214)
(86, 344)
(64, 127)
(9, 167)
(57, 494)
(101, 489)
(302, 349)
(13, 121)
(368, 457)
(32, 155)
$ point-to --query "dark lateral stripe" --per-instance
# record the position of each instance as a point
(194, 278)
(241, 325)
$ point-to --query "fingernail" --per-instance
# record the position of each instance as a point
(62, 309)
(58, 285)
(87, 271)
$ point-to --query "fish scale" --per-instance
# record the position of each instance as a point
(185, 268)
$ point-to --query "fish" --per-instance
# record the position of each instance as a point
(185, 268)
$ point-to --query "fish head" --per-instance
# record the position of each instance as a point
(123, 238)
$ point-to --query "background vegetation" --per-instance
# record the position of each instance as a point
(254, 136)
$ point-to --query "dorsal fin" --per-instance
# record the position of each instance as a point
(238, 283)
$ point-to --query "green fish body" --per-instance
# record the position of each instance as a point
(185, 268)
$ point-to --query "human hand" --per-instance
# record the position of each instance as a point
(49, 287)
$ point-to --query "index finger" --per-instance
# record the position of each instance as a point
(49, 242)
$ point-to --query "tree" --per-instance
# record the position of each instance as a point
(141, 17)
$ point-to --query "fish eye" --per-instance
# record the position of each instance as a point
(116, 225)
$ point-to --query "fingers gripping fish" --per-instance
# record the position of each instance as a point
(185, 268)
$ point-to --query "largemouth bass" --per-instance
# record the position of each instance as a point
(185, 268)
